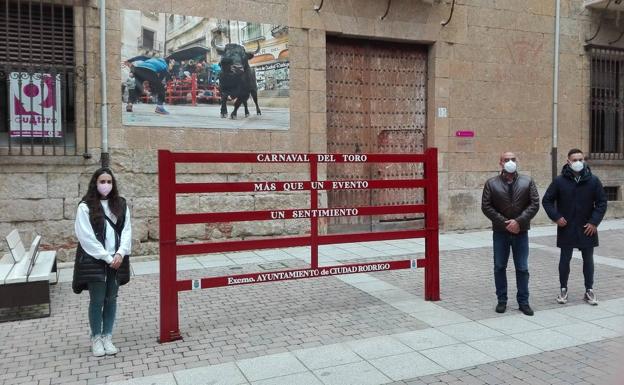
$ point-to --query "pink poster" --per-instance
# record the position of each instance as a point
(35, 101)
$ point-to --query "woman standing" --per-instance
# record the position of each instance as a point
(102, 263)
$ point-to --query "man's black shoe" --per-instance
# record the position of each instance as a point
(501, 307)
(526, 309)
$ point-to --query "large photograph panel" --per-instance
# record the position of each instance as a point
(203, 72)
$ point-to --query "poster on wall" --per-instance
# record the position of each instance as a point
(203, 72)
(35, 101)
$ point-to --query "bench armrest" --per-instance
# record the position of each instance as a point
(43, 266)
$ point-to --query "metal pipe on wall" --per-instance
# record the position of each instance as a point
(86, 153)
(555, 92)
(105, 158)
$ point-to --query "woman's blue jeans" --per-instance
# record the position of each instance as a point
(518, 244)
(103, 304)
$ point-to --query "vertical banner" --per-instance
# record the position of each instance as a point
(35, 101)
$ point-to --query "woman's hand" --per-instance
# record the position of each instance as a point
(117, 259)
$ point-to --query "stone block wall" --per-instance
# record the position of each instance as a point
(491, 67)
(40, 195)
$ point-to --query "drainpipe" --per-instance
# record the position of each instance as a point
(555, 93)
(105, 159)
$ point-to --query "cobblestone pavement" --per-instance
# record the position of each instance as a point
(354, 329)
(610, 243)
(468, 281)
(595, 363)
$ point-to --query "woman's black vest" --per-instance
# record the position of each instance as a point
(88, 269)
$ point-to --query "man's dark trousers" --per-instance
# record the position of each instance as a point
(518, 244)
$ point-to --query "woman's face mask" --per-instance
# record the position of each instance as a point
(104, 184)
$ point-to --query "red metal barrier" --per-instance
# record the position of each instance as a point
(179, 89)
(169, 249)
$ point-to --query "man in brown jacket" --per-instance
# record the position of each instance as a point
(510, 201)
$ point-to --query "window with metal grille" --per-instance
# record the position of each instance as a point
(252, 32)
(39, 78)
(147, 37)
(611, 192)
(607, 103)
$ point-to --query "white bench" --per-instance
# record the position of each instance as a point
(25, 275)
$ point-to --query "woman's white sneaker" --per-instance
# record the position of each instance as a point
(97, 346)
(563, 296)
(109, 348)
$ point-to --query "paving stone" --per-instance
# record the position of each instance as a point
(408, 365)
(224, 374)
(586, 331)
(504, 347)
(614, 323)
(456, 356)
(326, 356)
(547, 339)
(299, 379)
(160, 379)
(260, 368)
(378, 347)
(510, 325)
(425, 339)
(470, 331)
(359, 373)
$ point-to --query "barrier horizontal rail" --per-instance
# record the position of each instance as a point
(274, 243)
(293, 274)
(265, 215)
(292, 186)
(212, 157)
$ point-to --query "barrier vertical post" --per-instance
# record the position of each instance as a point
(313, 220)
(169, 323)
(194, 89)
(432, 259)
(169, 91)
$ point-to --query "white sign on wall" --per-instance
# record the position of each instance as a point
(273, 49)
(35, 102)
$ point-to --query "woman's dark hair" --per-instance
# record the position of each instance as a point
(92, 197)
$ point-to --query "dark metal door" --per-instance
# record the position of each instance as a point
(376, 103)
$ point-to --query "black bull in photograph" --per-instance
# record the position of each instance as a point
(237, 79)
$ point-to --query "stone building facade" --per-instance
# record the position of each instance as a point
(489, 71)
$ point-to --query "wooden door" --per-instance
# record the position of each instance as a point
(376, 103)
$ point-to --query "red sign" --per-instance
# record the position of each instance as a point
(286, 275)
(305, 158)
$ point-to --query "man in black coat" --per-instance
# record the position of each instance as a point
(576, 201)
(510, 201)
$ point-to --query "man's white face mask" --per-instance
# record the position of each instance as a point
(510, 166)
(577, 166)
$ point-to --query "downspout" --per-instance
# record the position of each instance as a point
(555, 93)
(105, 158)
